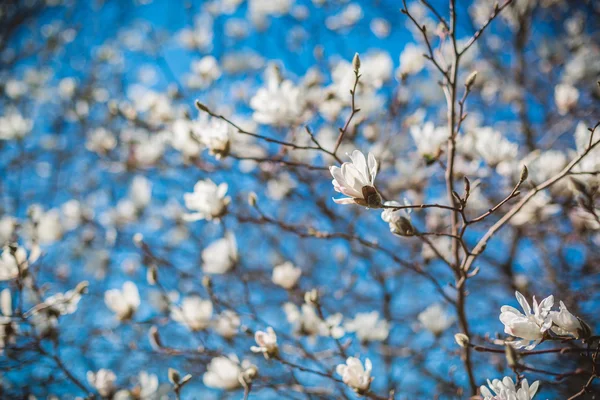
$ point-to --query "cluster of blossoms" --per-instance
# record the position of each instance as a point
(534, 324)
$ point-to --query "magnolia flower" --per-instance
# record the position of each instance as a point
(355, 375)
(565, 97)
(8, 327)
(214, 133)
(279, 102)
(103, 381)
(204, 72)
(428, 139)
(195, 313)
(368, 327)
(530, 326)
(565, 323)
(227, 324)
(398, 220)
(140, 192)
(356, 180)
(14, 126)
(207, 200)
(493, 147)
(44, 227)
(286, 275)
(435, 319)
(100, 141)
(220, 256)
(66, 303)
(267, 343)
(11, 264)
(505, 389)
(182, 139)
(411, 60)
(227, 373)
(123, 302)
(306, 321)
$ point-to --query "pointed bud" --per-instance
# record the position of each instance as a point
(201, 107)
(152, 275)
(252, 198)
(206, 281)
(174, 376)
(312, 297)
(405, 227)
(82, 287)
(154, 338)
(461, 339)
(524, 174)
(356, 62)
(471, 79)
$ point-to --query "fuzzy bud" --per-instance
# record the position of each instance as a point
(461, 339)
(471, 80)
(252, 198)
(524, 174)
(356, 62)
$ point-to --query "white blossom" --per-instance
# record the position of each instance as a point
(182, 138)
(221, 255)
(140, 192)
(368, 327)
(565, 97)
(279, 102)
(227, 324)
(208, 200)
(286, 275)
(214, 133)
(100, 141)
(266, 343)
(356, 180)
(125, 302)
(493, 147)
(225, 372)
(14, 126)
(306, 321)
(565, 323)
(412, 60)
(436, 319)
(355, 375)
(530, 326)
(429, 139)
(505, 389)
(195, 313)
(11, 264)
(103, 381)
(204, 72)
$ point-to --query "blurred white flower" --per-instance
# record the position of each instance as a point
(355, 375)
(493, 147)
(13, 126)
(208, 200)
(8, 327)
(204, 72)
(8, 225)
(429, 139)
(279, 103)
(227, 324)
(565, 323)
(225, 372)
(220, 256)
(123, 302)
(412, 60)
(436, 319)
(140, 192)
(505, 389)
(195, 313)
(44, 227)
(182, 139)
(266, 343)
(368, 327)
(11, 264)
(530, 326)
(214, 133)
(537, 209)
(565, 97)
(103, 381)
(100, 141)
(65, 303)
(286, 275)
(346, 18)
(148, 385)
(356, 180)
(306, 321)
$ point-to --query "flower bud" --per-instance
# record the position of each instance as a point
(154, 337)
(152, 275)
(174, 376)
(201, 107)
(461, 339)
(312, 297)
(206, 281)
(356, 62)
(471, 79)
(252, 198)
(524, 174)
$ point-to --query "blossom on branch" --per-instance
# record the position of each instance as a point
(356, 180)
(506, 389)
(208, 200)
(355, 375)
(530, 326)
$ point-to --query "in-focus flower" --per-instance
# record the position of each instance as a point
(368, 327)
(195, 313)
(530, 326)
(435, 319)
(505, 389)
(356, 180)
(227, 324)
(355, 375)
(286, 275)
(226, 372)
(103, 381)
(123, 302)
(266, 343)
(208, 200)
(220, 256)
(565, 323)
